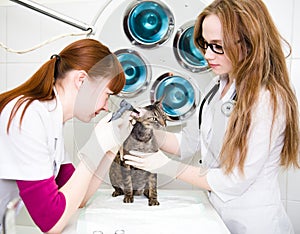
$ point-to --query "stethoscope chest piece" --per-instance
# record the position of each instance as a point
(227, 107)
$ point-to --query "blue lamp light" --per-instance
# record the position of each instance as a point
(186, 52)
(136, 71)
(148, 23)
(178, 93)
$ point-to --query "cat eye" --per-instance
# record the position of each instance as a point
(152, 118)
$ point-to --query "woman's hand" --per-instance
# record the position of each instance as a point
(106, 137)
(152, 162)
(156, 162)
(111, 135)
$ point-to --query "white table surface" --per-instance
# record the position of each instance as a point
(180, 211)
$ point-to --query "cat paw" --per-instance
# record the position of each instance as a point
(153, 202)
(116, 193)
(128, 199)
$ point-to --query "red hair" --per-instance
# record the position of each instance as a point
(86, 54)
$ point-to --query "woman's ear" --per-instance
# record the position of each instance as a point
(81, 76)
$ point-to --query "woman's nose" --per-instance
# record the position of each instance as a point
(102, 107)
(209, 54)
(105, 107)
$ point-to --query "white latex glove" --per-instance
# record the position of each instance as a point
(111, 135)
(107, 136)
(156, 162)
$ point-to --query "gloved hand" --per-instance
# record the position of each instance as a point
(111, 135)
(156, 162)
(107, 136)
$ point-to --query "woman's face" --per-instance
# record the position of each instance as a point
(212, 34)
(92, 98)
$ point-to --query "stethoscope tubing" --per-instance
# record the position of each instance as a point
(208, 97)
(226, 108)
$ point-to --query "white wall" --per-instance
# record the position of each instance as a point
(22, 28)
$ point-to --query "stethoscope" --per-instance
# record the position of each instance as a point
(226, 108)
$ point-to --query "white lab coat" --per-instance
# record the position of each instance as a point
(33, 152)
(249, 204)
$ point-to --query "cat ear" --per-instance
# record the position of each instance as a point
(160, 101)
(168, 118)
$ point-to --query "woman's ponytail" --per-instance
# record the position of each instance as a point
(38, 87)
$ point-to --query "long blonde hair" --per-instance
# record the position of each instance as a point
(86, 54)
(249, 29)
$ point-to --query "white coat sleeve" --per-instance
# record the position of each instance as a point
(264, 147)
(25, 150)
(189, 137)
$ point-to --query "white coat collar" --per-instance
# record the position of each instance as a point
(55, 108)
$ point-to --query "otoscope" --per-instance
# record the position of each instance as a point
(124, 106)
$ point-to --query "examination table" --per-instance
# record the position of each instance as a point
(179, 212)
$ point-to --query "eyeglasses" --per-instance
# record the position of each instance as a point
(218, 49)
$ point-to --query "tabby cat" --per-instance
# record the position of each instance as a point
(128, 180)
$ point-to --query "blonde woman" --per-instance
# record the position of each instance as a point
(249, 120)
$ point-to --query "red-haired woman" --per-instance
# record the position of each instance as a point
(77, 82)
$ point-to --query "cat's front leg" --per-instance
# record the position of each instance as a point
(152, 190)
(127, 181)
